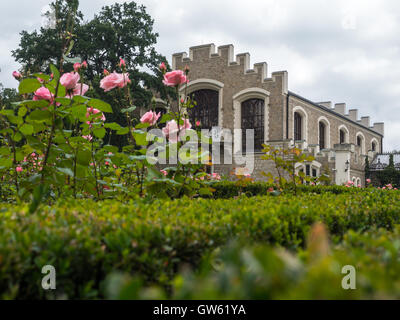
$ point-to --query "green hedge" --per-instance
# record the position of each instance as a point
(229, 189)
(240, 271)
(86, 240)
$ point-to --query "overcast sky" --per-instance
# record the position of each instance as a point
(339, 51)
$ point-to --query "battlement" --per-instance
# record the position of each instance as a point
(352, 115)
(227, 55)
(222, 64)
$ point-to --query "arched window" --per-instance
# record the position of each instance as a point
(253, 118)
(361, 142)
(298, 126)
(342, 136)
(205, 109)
(322, 135)
(373, 147)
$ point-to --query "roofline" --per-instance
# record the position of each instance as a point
(333, 112)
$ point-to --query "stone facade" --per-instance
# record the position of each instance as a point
(220, 70)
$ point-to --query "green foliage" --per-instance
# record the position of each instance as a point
(258, 272)
(285, 160)
(88, 240)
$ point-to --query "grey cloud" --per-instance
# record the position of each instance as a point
(344, 51)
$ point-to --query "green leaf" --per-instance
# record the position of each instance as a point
(79, 111)
(40, 115)
(84, 157)
(140, 138)
(123, 131)
(17, 137)
(22, 111)
(100, 105)
(99, 132)
(71, 45)
(66, 171)
(26, 129)
(130, 109)
(72, 60)
(113, 126)
(55, 72)
(29, 86)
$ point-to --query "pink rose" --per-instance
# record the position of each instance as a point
(84, 65)
(17, 75)
(106, 72)
(77, 66)
(171, 130)
(165, 173)
(88, 137)
(150, 118)
(70, 80)
(19, 169)
(175, 78)
(92, 111)
(198, 123)
(114, 80)
(186, 124)
(79, 90)
(369, 180)
(43, 94)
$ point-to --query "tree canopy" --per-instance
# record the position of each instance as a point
(117, 31)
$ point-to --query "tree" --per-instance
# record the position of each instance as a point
(117, 31)
(7, 96)
(367, 168)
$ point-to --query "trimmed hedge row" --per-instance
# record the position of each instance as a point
(240, 271)
(85, 240)
(229, 189)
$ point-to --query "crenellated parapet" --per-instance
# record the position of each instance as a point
(225, 55)
(340, 108)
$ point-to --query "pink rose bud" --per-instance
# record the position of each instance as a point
(163, 67)
(84, 65)
(19, 169)
(77, 66)
(198, 123)
(122, 63)
(106, 72)
(17, 75)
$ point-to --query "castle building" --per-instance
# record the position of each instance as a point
(231, 95)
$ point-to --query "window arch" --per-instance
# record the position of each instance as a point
(300, 124)
(374, 145)
(358, 183)
(324, 133)
(343, 134)
(250, 108)
(205, 109)
(205, 84)
(360, 141)
(253, 114)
